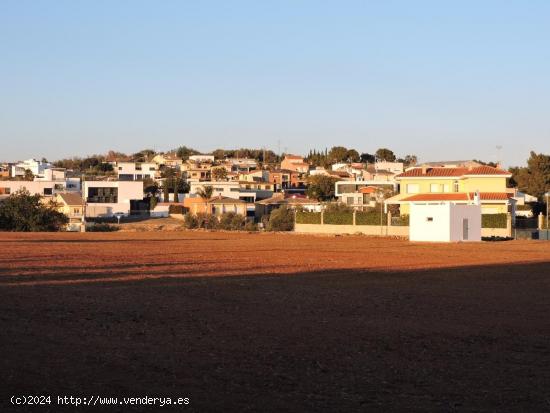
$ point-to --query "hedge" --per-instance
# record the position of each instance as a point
(494, 220)
(338, 218)
(303, 217)
(400, 221)
(370, 218)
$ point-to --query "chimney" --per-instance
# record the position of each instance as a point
(424, 169)
(477, 200)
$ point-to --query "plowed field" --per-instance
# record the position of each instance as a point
(275, 322)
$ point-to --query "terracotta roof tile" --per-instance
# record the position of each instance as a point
(458, 196)
(452, 172)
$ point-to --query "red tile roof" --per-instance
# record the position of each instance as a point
(452, 172)
(459, 196)
(368, 190)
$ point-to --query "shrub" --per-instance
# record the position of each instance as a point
(338, 207)
(303, 217)
(190, 221)
(402, 220)
(232, 221)
(207, 221)
(102, 228)
(494, 220)
(250, 226)
(281, 219)
(175, 209)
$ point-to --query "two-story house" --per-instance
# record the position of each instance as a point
(136, 171)
(458, 185)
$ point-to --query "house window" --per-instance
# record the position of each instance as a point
(435, 187)
(48, 191)
(5, 191)
(138, 167)
(349, 200)
(99, 195)
(413, 188)
(446, 188)
(455, 186)
(430, 219)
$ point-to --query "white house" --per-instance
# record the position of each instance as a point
(202, 158)
(107, 198)
(36, 167)
(42, 187)
(393, 167)
(136, 171)
(445, 222)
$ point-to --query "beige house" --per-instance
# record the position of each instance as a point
(71, 204)
(444, 184)
(295, 163)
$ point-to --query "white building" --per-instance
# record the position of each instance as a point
(107, 198)
(136, 171)
(445, 222)
(393, 167)
(36, 167)
(42, 187)
(202, 158)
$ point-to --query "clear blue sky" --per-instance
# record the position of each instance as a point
(439, 79)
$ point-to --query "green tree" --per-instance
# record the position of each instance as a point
(384, 154)
(338, 154)
(353, 156)
(367, 158)
(29, 176)
(321, 187)
(205, 192)
(281, 219)
(410, 160)
(219, 173)
(535, 178)
(145, 155)
(184, 152)
(22, 211)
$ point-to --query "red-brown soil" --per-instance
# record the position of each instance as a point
(302, 324)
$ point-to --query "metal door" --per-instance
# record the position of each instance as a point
(465, 229)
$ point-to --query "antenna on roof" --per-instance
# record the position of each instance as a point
(499, 159)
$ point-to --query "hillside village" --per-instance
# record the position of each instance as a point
(371, 193)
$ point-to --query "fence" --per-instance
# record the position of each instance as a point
(375, 223)
(357, 222)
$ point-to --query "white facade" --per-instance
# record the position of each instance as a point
(106, 198)
(445, 222)
(136, 171)
(394, 167)
(41, 187)
(342, 188)
(230, 189)
(36, 167)
(202, 158)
